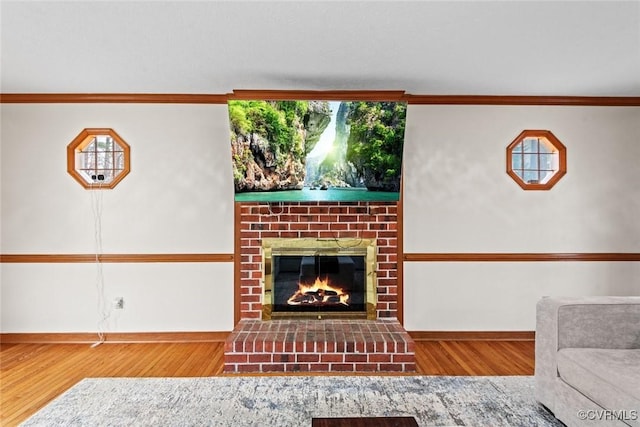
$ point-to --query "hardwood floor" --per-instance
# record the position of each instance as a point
(475, 357)
(31, 375)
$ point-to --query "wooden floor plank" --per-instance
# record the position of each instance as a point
(31, 375)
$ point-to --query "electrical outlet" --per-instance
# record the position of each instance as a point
(118, 303)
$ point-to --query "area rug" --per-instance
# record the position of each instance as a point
(294, 400)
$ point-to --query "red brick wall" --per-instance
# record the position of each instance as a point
(367, 220)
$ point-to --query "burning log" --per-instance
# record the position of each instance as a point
(319, 293)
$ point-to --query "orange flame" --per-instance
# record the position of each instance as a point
(319, 292)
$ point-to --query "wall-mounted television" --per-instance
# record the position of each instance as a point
(305, 150)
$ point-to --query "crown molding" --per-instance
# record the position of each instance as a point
(110, 98)
(379, 95)
(320, 95)
(604, 101)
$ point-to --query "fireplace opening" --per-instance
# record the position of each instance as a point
(319, 283)
(319, 278)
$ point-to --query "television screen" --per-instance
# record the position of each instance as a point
(293, 151)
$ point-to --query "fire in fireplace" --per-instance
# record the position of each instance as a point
(318, 283)
(319, 278)
(320, 294)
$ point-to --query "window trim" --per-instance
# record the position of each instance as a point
(558, 147)
(81, 141)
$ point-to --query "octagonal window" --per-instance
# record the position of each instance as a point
(536, 160)
(98, 158)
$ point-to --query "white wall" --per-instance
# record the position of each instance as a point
(158, 297)
(178, 198)
(458, 198)
(474, 296)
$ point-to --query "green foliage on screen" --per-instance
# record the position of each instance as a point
(278, 122)
(376, 139)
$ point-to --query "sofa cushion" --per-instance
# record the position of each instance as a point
(612, 323)
(610, 378)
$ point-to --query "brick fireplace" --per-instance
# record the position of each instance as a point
(378, 343)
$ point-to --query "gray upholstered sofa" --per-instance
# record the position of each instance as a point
(588, 360)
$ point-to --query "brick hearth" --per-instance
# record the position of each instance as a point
(318, 345)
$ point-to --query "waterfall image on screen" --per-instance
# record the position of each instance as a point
(286, 151)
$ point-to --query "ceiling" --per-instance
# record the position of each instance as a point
(545, 48)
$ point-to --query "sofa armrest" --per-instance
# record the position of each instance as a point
(588, 322)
